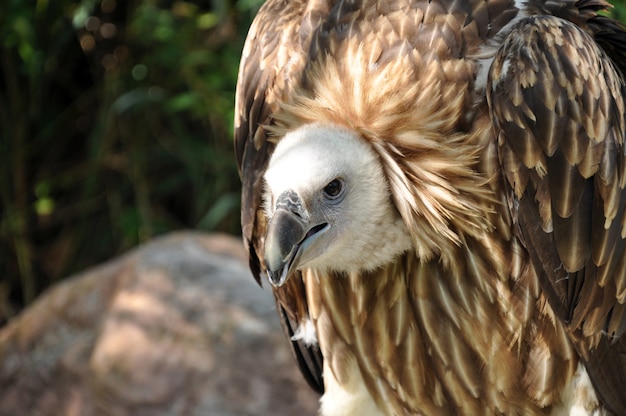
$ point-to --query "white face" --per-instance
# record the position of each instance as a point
(309, 158)
(340, 184)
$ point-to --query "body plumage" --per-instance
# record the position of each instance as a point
(436, 191)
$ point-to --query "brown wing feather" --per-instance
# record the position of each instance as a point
(558, 102)
(260, 86)
(292, 306)
(272, 60)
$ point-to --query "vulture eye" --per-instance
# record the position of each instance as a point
(333, 189)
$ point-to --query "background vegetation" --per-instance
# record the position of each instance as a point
(115, 127)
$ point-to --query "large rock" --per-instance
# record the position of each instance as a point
(176, 327)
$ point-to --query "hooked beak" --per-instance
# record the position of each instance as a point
(288, 235)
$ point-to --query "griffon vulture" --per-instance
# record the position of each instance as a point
(435, 190)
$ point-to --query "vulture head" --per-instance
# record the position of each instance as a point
(328, 205)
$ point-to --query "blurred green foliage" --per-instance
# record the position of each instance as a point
(619, 10)
(116, 126)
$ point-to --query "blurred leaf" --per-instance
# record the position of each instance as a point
(225, 204)
(182, 102)
(207, 21)
(135, 100)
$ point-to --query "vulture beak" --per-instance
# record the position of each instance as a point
(288, 235)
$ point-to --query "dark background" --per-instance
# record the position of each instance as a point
(115, 127)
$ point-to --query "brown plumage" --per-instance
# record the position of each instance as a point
(494, 280)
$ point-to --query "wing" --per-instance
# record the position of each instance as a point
(557, 100)
(272, 60)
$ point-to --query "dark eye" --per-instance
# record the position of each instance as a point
(333, 189)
